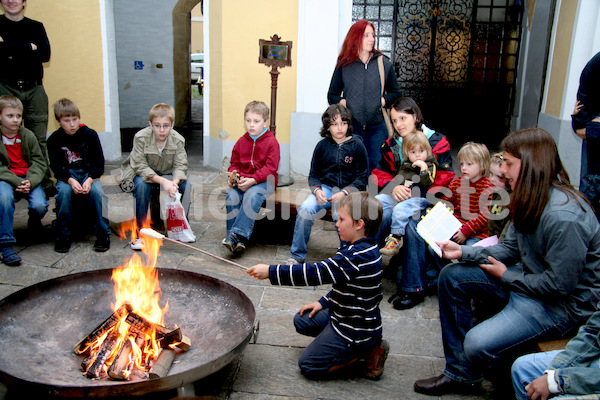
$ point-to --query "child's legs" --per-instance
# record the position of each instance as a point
(233, 202)
(388, 202)
(305, 325)
(142, 192)
(251, 203)
(185, 188)
(307, 213)
(38, 204)
(406, 209)
(99, 202)
(527, 368)
(64, 208)
(7, 212)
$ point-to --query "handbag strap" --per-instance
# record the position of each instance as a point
(380, 67)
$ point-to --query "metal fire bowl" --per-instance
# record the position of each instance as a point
(40, 325)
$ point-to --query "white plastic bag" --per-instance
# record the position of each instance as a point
(178, 227)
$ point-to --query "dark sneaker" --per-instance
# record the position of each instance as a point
(102, 243)
(234, 244)
(9, 256)
(62, 244)
(376, 360)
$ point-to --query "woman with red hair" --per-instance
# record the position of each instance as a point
(356, 84)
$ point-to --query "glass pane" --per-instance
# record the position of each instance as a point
(372, 13)
(387, 12)
(358, 13)
(386, 28)
(385, 44)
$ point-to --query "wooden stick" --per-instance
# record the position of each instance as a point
(162, 364)
(156, 235)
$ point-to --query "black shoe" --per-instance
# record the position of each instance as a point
(234, 244)
(102, 243)
(440, 385)
(407, 300)
(62, 244)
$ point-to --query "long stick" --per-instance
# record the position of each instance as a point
(156, 235)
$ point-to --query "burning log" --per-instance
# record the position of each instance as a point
(164, 336)
(162, 364)
(108, 345)
(110, 322)
(122, 365)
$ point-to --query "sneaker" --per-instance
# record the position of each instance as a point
(234, 244)
(392, 246)
(138, 244)
(102, 243)
(292, 261)
(62, 244)
(376, 360)
(9, 256)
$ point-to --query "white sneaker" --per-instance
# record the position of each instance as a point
(138, 244)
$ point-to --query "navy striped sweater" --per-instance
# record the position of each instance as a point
(355, 275)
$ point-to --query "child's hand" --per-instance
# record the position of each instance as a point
(578, 107)
(401, 193)
(459, 237)
(87, 186)
(321, 198)
(337, 197)
(259, 271)
(421, 164)
(246, 183)
(450, 250)
(315, 307)
(170, 187)
(24, 187)
(75, 186)
(233, 178)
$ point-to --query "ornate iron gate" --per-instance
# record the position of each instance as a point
(456, 58)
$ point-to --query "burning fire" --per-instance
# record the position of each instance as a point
(128, 339)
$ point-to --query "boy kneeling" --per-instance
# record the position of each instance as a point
(346, 321)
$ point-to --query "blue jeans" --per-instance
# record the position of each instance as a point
(373, 137)
(328, 349)
(529, 367)
(522, 320)
(243, 207)
(142, 192)
(64, 205)
(405, 210)
(308, 212)
(38, 206)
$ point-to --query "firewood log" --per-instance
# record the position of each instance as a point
(106, 349)
(83, 345)
(162, 364)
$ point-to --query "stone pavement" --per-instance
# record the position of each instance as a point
(268, 369)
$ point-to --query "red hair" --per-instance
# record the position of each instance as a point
(353, 43)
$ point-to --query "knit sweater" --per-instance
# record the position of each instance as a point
(355, 272)
(465, 198)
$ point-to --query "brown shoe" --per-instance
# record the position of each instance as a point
(376, 360)
(440, 385)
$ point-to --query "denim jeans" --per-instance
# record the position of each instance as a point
(308, 212)
(388, 202)
(373, 137)
(405, 210)
(64, 205)
(243, 207)
(142, 192)
(529, 367)
(328, 349)
(38, 206)
(467, 348)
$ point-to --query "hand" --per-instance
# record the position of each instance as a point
(170, 187)
(450, 250)
(494, 268)
(459, 237)
(421, 164)
(75, 186)
(578, 107)
(343, 102)
(246, 183)
(538, 389)
(259, 271)
(24, 187)
(337, 197)
(401, 193)
(320, 195)
(87, 185)
(315, 307)
(382, 102)
(581, 133)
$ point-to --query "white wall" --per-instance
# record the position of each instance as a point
(322, 27)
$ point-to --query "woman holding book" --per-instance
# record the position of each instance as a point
(541, 282)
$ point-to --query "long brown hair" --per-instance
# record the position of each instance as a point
(541, 169)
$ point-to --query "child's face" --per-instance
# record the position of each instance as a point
(255, 123)
(417, 153)
(338, 129)
(70, 124)
(496, 177)
(161, 126)
(10, 120)
(403, 122)
(470, 169)
(348, 228)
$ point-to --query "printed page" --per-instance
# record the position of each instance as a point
(438, 225)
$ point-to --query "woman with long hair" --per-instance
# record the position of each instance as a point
(356, 84)
(541, 282)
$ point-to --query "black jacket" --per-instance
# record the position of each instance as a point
(339, 165)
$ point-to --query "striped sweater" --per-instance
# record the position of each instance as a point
(355, 275)
(465, 199)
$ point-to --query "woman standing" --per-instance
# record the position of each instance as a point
(543, 279)
(356, 84)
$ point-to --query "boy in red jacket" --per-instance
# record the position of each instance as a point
(252, 176)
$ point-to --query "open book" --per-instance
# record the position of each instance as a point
(438, 225)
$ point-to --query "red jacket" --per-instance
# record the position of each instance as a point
(256, 159)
